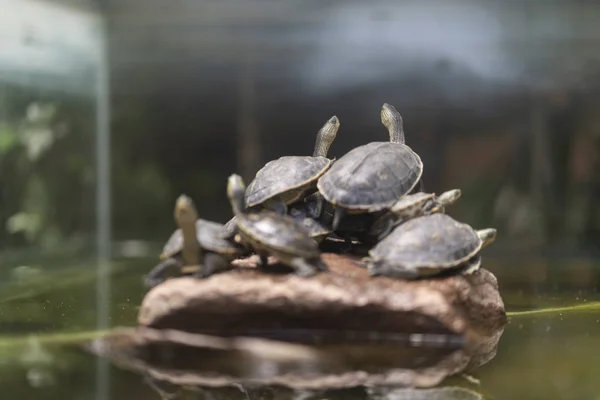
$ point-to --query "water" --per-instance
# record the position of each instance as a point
(548, 350)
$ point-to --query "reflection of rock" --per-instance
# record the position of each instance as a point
(441, 393)
(187, 359)
(343, 304)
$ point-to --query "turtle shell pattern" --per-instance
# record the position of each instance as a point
(434, 241)
(210, 235)
(371, 177)
(284, 175)
(279, 232)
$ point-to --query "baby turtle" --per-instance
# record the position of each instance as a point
(270, 233)
(409, 207)
(427, 246)
(288, 179)
(374, 176)
(197, 241)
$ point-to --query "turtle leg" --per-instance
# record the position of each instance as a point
(338, 214)
(264, 260)
(212, 263)
(305, 268)
(156, 275)
(277, 205)
(319, 203)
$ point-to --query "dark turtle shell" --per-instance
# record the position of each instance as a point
(279, 232)
(433, 242)
(210, 236)
(289, 177)
(371, 177)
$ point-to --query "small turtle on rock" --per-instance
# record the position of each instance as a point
(270, 233)
(428, 246)
(197, 245)
(372, 177)
(409, 207)
(289, 179)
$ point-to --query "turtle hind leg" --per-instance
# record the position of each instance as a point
(156, 275)
(212, 263)
(305, 268)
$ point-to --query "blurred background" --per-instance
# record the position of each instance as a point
(109, 109)
(132, 102)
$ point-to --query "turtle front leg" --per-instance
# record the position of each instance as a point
(156, 275)
(276, 204)
(212, 263)
(338, 215)
(305, 268)
(318, 201)
(264, 260)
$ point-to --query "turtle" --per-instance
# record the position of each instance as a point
(196, 242)
(288, 179)
(310, 214)
(269, 233)
(408, 207)
(372, 177)
(427, 246)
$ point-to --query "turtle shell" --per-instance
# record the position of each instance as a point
(371, 177)
(288, 176)
(433, 242)
(210, 235)
(279, 232)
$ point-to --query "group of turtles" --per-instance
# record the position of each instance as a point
(372, 195)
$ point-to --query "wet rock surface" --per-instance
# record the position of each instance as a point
(344, 304)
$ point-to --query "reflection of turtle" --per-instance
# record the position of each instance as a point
(374, 176)
(197, 241)
(427, 246)
(270, 233)
(288, 179)
(408, 207)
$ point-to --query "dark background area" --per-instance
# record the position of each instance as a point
(500, 100)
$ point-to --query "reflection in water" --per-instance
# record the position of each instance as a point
(176, 361)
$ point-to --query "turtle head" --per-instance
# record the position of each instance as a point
(392, 120)
(326, 136)
(449, 197)
(236, 189)
(487, 236)
(185, 212)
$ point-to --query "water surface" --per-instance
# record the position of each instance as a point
(549, 349)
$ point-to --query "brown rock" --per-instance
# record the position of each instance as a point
(343, 304)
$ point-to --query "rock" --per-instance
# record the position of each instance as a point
(343, 304)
